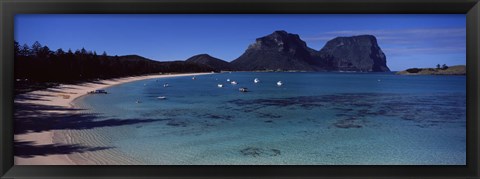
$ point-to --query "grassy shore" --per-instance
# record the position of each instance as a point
(453, 70)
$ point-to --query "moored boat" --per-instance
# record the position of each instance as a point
(98, 92)
(243, 89)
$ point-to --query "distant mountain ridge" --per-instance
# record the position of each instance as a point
(285, 51)
(211, 62)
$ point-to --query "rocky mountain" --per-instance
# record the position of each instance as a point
(209, 61)
(285, 51)
(357, 53)
(453, 70)
(279, 50)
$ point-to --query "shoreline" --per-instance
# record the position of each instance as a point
(59, 101)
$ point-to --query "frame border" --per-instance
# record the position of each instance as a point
(9, 8)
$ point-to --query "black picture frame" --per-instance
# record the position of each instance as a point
(9, 8)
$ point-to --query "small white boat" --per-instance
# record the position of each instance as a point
(233, 82)
(243, 89)
(161, 97)
(279, 83)
(193, 78)
(256, 80)
(220, 85)
(228, 80)
(165, 85)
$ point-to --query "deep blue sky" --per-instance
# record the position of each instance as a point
(407, 40)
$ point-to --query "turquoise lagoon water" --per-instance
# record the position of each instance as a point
(313, 119)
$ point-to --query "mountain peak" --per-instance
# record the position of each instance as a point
(212, 62)
(354, 53)
(280, 40)
(365, 38)
(203, 55)
(279, 50)
(361, 36)
(280, 33)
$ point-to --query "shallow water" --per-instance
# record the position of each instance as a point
(313, 119)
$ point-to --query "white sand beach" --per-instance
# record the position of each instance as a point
(58, 101)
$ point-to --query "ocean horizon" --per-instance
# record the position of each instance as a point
(313, 118)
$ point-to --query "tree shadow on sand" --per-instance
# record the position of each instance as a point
(27, 149)
(28, 97)
(41, 118)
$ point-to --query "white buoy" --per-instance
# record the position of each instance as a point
(279, 83)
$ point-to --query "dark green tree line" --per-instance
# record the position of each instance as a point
(39, 63)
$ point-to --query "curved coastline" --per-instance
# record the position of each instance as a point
(63, 97)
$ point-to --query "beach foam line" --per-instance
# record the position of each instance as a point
(62, 97)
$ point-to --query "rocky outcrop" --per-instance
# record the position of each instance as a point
(277, 51)
(357, 53)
